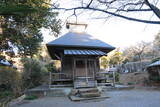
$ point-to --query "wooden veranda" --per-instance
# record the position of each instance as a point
(104, 78)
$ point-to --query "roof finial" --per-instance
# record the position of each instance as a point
(76, 27)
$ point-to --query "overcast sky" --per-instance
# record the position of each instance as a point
(115, 31)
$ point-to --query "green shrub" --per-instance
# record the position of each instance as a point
(4, 94)
(154, 78)
(116, 76)
(154, 74)
(31, 97)
(119, 83)
(33, 73)
(110, 75)
(50, 67)
(10, 80)
(155, 59)
(130, 83)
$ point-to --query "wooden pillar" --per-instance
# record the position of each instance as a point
(95, 71)
(98, 65)
(74, 72)
(61, 59)
(86, 69)
(95, 68)
(74, 68)
(50, 79)
(113, 79)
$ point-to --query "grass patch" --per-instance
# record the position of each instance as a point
(31, 97)
(119, 83)
(130, 83)
(5, 94)
(154, 78)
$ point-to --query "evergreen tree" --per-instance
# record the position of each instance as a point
(21, 22)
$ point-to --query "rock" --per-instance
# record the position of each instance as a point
(74, 91)
(90, 95)
(88, 90)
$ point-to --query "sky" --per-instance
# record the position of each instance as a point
(117, 32)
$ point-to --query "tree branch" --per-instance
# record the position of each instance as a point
(138, 10)
(111, 13)
(89, 3)
(153, 8)
(106, 2)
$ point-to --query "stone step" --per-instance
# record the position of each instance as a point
(76, 98)
(61, 85)
(84, 84)
(90, 95)
(88, 90)
(49, 92)
(55, 93)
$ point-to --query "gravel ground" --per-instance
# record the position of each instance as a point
(121, 98)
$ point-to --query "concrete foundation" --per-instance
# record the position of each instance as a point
(43, 91)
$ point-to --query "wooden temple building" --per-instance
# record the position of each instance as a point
(79, 54)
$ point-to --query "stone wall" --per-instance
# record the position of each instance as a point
(133, 67)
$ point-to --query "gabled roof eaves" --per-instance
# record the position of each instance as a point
(157, 63)
(72, 39)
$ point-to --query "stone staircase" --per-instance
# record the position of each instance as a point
(85, 84)
(85, 94)
(88, 92)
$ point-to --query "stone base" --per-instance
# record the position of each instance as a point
(76, 98)
(50, 92)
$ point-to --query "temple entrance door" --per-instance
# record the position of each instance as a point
(84, 73)
(80, 70)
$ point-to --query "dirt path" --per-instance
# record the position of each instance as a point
(123, 98)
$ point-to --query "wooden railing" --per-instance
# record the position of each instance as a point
(85, 78)
(83, 82)
(106, 76)
(59, 77)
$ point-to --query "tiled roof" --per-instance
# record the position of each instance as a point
(72, 39)
(157, 63)
(84, 52)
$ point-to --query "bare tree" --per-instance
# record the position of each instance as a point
(118, 8)
(156, 45)
(139, 49)
(135, 53)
